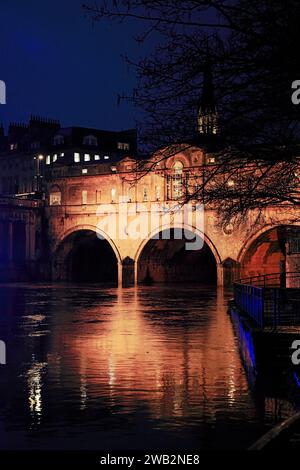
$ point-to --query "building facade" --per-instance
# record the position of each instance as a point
(29, 149)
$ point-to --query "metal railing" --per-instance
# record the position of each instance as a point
(269, 305)
(272, 279)
(250, 300)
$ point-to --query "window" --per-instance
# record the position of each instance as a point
(87, 157)
(54, 157)
(168, 187)
(84, 171)
(55, 196)
(97, 157)
(106, 157)
(131, 194)
(145, 194)
(123, 146)
(98, 196)
(187, 182)
(177, 180)
(35, 145)
(84, 197)
(113, 194)
(90, 140)
(76, 157)
(157, 193)
(58, 140)
(48, 160)
(62, 154)
(13, 146)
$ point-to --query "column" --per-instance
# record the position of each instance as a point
(128, 272)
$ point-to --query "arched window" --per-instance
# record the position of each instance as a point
(58, 140)
(55, 196)
(177, 180)
(90, 140)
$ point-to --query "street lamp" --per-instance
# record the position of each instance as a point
(38, 159)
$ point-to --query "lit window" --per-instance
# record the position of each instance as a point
(54, 157)
(106, 157)
(76, 157)
(123, 146)
(87, 157)
(84, 171)
(113, 194)
(90, 140)
(58, 140)
(168, 187)
(55, 196)
(177, 180)
(84, 196)
(13, 146)
(97, 157)
(62, 154)
(48, 160)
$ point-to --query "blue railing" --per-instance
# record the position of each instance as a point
(250, 299)
(269, 306)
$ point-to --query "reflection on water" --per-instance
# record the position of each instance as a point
(146, 368)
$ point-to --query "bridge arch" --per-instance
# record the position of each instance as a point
(264, 252)
(166, 260)
(81, 256)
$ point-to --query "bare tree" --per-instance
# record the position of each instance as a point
(251, 48)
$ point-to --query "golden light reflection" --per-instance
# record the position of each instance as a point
(174, 369)
(34, 382)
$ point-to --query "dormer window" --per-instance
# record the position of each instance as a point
(35, 145)
(58, 140)
(90, 140)
(123, 146)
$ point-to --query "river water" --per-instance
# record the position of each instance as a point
(148, 368)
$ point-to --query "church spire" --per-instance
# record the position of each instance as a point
(207, 124)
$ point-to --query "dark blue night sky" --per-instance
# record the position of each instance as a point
(57, 64)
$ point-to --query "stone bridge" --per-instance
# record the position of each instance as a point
(21, 239)
(82, 202)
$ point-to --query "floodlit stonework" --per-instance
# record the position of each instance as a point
(73, 212)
